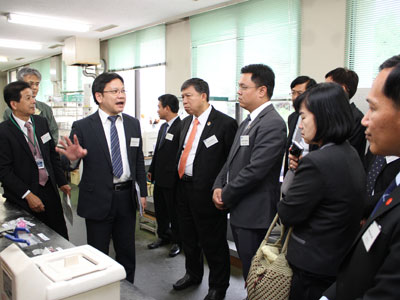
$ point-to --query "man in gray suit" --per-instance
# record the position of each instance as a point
(248, 184)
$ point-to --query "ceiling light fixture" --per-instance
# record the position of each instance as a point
(3, 59)
(20, 44)
(53, 23)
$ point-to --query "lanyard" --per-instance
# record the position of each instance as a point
(34, 134)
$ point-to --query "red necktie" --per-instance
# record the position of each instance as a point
(43, 177)
(186, 151)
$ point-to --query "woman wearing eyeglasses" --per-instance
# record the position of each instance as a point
(324, 204)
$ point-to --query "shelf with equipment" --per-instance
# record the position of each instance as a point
(71, 106)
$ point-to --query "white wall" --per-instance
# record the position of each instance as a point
(323, 35)
(323, 42)
(178, 56)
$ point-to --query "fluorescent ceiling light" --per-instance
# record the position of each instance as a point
(20, 44)
(53, 23)
(3, 59)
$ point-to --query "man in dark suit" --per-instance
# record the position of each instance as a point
(162, 172)
(248, 184)
(33, 78)
(205, 140)
(110, 144)
(348, 79)
(371, 267)
(381, 170)
(30, 168)
(297, 87)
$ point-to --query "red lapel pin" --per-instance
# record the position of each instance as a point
(388, 201)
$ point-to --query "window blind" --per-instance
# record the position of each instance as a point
(257, 31)
(373, 35)
(137, 49)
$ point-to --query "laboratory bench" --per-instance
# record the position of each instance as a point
(9, 212)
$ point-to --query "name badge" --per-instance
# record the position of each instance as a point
(40, 163)
(212, 140)
(169, 137)
(244, 140)
(370, 235)
(135, 142)
(45, 138)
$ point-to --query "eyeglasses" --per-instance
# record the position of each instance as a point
(244, 88)
(115, 92)
(294, 93)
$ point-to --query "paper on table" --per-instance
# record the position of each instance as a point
(66, 205)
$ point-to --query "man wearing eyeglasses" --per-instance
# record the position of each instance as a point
(110, 145)
(298, 87)
(248, 184)
(33, 78)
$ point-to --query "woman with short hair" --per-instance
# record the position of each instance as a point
(324, 203)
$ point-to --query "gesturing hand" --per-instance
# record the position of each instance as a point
(72, 151)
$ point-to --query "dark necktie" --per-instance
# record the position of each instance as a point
(385, 196)
(115, 149)
(164, 133)
(373, 173)
(245, 124)
(43, 177)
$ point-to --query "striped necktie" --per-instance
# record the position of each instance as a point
(115, 149)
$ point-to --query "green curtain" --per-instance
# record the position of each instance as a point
(256, 31)
(137, 49)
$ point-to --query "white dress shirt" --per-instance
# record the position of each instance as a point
(21, 124)
(256, 112)
(170, 122)
(202, 123)
(119, 124)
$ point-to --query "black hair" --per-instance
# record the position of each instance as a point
(12, 91)
(391, 88)
(169, 100)
(345, 77)
(303, 79)
(100, 82)
(330, 106)
(261, 75)
(198, 84)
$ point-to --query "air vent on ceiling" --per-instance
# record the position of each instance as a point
(104, 28)
(55, 46)
(20, 58)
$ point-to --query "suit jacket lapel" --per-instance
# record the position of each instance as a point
(253, 124)
(395, 200)
(395, 195)
(128, 135)
(248, 131)
(98, 130)
(20, 137)
(185, 127)
(236, 143)
(206, 130)
(160, 142)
